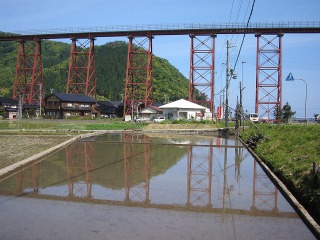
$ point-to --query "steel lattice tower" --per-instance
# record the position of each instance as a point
(28, 82)
(201, 84)
(82, 68)
(139, 84)
(268, 74)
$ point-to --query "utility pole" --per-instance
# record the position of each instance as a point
(40, 98)
(20, 107)
(229, 73)
(241, 89)
(226, 107)
(226, 115)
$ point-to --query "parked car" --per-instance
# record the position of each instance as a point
(139, 119)
(159, 119)
(254, 117)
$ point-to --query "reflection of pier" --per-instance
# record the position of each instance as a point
(79, 164)
(137, 156)
(265, 193)
(199, 175)
(28, 180)
(137, 159)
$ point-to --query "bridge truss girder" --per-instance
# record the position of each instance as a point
(28, 82)
(202, 70)
(268, 74)
(82, 68)
(139, 84)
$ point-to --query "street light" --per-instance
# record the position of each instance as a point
(291, 78)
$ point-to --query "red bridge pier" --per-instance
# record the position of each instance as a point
(139, 84)
(82, 68)
(268, 74)
(28, 81)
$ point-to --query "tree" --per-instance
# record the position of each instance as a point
(277, 113)
(287, 113)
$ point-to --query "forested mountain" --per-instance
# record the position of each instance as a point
(111, 61)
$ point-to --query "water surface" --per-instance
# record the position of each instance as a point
(156, 186)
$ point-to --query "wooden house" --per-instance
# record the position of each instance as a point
(9, 108)
(64, 105)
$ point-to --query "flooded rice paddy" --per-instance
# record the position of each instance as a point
(156, 186)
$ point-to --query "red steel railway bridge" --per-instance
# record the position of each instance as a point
(29, 79)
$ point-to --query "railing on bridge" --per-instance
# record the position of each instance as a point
(168, 27)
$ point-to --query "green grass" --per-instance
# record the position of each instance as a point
(27, 124)
(289, 151)
(103, 126)
(69, 124)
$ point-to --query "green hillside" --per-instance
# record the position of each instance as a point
(111, 61)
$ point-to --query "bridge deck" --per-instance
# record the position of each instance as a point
(165, 29)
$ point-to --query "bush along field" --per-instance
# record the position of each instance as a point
(292, 153)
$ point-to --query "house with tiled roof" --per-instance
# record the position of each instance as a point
(9, 108)
(64, 105)
(110, 109)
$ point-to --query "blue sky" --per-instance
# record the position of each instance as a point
(301, 52)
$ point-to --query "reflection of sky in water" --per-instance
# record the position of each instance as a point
(170, 187)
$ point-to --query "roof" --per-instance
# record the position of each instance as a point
(147, 109)
(157, 104)
(67, 97)
(182, 104)
(110, 103)
(156, 108)
(8, 100)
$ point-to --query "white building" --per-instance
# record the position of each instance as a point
(149, 113)
(182, 109)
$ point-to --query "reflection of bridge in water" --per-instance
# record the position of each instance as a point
(137, 161)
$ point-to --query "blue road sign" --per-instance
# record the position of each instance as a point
(290, 77)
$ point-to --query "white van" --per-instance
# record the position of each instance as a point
(254, 117)
(159, 119)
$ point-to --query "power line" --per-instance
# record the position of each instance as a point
(244, 35)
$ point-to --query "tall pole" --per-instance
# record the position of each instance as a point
(40, 98)
(305, 103)
(226, 116)
(241, 104)
(306, 97)
(241, 89)
(291, 78)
